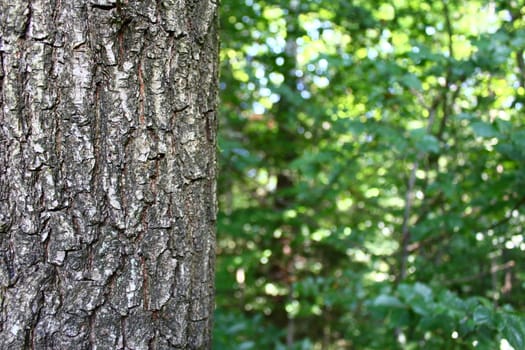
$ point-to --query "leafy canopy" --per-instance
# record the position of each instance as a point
(372, 175)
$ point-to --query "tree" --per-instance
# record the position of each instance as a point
(107, 173)
(376, 167)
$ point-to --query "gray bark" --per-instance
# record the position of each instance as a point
(107, 173)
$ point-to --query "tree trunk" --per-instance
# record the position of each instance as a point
(107, 173)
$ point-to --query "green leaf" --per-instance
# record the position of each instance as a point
(421, 307)
(399, 317)
(518, 42)
(424, 141)
(423, 290)
(482, 315)
(406, 292)
(418, 297)
(436, 321)
(518, 137)
(429, 143)
(247, 345)
(514, 331)
(388, 301)
(464, 116)
(483, 129)
(411, 81)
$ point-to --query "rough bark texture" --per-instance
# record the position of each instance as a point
(107, 173)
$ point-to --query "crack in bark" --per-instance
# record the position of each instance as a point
(141, 92)
(105, 7)
(27, 22)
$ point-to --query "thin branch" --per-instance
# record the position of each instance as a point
(521, 66)
(446, 103)
(443, 98)
(496, 268)
(507, 217)
(448, 26)
(430, 240)
(409, 197)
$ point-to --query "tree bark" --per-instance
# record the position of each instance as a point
(107, 173)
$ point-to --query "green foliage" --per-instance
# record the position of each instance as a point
(430, 318)
(372, 175)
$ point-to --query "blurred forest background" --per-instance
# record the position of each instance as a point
(372, 175)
